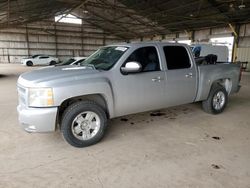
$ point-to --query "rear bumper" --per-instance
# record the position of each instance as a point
(238, 89)
(37, 119)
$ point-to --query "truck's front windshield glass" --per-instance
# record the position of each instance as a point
(105, 58)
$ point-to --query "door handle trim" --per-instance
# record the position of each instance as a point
(157, 79)
(189, 75)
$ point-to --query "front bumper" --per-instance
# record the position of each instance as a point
(37, 119)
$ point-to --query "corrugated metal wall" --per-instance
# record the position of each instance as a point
(243, 54)
(61, 40)
(66, 40)
(243, 50)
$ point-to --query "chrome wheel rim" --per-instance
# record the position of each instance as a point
(219, 100)
(86, 125)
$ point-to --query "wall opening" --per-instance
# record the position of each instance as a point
(188, 42)
(68, 18)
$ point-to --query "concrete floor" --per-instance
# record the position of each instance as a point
(175, 149)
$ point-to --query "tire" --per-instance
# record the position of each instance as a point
(52, 63)
(29, 63)
(217, 100)
(77, 120)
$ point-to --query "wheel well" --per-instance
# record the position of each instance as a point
(97, 98)
(226, 83)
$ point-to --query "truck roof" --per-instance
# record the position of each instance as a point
(137, 44)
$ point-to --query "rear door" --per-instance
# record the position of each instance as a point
(44, 60)
(181, 75)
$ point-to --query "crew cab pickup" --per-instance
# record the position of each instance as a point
(118, 80)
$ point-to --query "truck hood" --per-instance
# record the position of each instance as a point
(50, 74)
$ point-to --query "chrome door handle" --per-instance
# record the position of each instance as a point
(157, 79)
(189, 75)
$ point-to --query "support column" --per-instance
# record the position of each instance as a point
(82, 39)
(235, 31)
(104, 39)
(56, 42)
(27, 39)
(192, 36)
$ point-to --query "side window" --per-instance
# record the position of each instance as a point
(176, 57)
(197, 51)
(79, 61)
(43, 57)
(147, 57)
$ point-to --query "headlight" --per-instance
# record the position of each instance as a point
(41, 97)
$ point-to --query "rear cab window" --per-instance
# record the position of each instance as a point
(176, 57)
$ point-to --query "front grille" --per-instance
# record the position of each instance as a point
(22, 95)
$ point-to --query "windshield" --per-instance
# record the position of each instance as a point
(105, 58)
(66, 62)
(34, 56)
(78, 62)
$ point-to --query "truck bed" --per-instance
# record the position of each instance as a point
(228, 74)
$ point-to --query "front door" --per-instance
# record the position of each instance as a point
(141, 91)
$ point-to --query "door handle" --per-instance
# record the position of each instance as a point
(189, 75)
(157, 79)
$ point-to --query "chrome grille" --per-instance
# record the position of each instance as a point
(21, 95)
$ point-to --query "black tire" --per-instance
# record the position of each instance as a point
(208, 105)
(52, 63)
(29, 63)
(69, 116)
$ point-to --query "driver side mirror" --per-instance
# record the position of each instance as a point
(131, 67)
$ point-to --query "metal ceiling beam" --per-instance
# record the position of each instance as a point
(111, 22)
(101, 27)
(136, 19)
(215, 6)
(72, 9)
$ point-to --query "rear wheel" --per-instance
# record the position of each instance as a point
(29, 63)
(83, 124)
(217, 100)
(52, 63)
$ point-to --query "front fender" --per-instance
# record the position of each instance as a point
(91, 86)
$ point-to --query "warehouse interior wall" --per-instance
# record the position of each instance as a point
(66, 40)
(48, 37)
(243, 50)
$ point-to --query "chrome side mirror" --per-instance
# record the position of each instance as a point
(131, 67)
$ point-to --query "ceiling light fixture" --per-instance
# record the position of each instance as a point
(242, 6)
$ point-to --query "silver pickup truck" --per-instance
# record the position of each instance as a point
(118, 80)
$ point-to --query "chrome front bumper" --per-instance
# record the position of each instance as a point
(37, 119)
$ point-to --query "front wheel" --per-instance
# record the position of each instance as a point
(217, 100)
(83, 124)
(29, 63)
